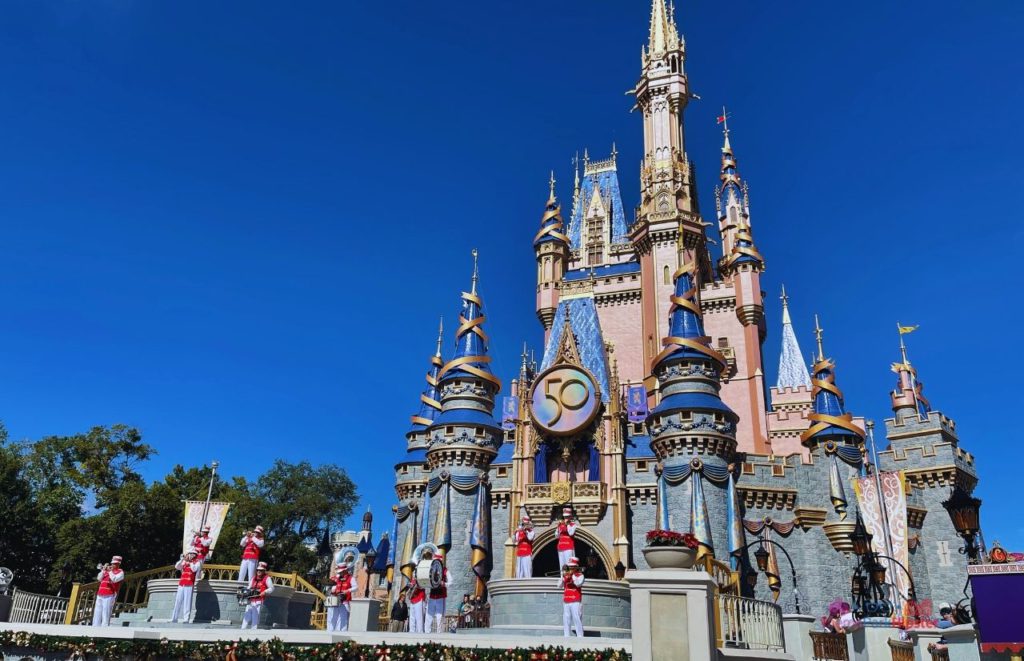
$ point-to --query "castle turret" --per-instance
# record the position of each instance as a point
(551, 246)
(410, 470)
(791, 396)
(829, 421)
(907, 398)
(464, 439)
(692, 430)
(732, 203)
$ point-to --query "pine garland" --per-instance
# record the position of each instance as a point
(84, 649)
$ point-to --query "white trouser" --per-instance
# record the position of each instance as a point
(247, 570)
(337, 617)
(417, 613)
(524, 566)
(572, 614)
(564, 556)
(182, 604)
(252, 615)
(434, 622)
(102, 610)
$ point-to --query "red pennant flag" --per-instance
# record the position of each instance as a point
(720, 118)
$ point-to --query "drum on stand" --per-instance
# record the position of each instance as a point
(429, 573)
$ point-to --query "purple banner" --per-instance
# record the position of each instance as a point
(509, 412)
(636, 407)
(998, 599)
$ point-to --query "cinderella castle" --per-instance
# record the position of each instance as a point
(649, 408)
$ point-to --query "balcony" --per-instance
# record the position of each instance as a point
(587, 500)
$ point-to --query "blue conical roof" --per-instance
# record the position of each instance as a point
(829, 421)
(430, 399)
(685, 325)
(551, 222)
(470, 358)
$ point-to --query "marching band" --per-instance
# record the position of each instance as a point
(189, 567)
(571, 584)
(110, 578)
(524, 548)
(259, 587)
(341, 603)
(251, 544)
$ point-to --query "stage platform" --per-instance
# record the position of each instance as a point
(140, 631)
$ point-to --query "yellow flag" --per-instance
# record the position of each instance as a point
(906, 329)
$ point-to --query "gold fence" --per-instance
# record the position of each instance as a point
(134, 593)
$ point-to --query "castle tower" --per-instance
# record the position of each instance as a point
(409, 473)
(464, 439)
(551, 246)
(692, 430)
(923, 443)
(668, 231)
(791, 395)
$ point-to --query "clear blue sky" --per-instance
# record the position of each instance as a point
(235, 224)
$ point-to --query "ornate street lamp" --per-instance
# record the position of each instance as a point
(860, 538)
(761, 557)
(370, 556)
(964, 510)
(877, 571)
(620, 571)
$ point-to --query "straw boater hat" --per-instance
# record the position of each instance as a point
(574, 562)
(566, 511)
(258, 529)
(526, 518)
(343, 567)
(261, 567)
(116, 560)
(206, 529)
(189, 552)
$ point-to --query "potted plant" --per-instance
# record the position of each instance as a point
(670, 550)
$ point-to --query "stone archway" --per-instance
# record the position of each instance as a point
(545, 552)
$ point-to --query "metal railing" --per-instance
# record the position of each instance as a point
(749, 623)
(726, 580)
(31, 608)
(901, 651)
(134, 593)
(829, 646)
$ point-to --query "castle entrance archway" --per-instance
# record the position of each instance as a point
(594, 557)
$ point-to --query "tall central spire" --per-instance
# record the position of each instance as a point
(661, 29)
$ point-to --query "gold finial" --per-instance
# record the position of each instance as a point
(475, 272)
(551, 186)
(440, 335)
(817, 336)
(785, 299)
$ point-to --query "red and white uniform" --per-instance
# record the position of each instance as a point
(337, 616)
(189, 569)
(572, 602)
(252, 610)
(251, 545)
(524, 551)
(566, 543)
(417, 608)
(434, 622)
(106, 594)
(201, 545)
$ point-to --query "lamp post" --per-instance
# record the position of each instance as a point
(761, 558)
(370, 556)
(965, 511)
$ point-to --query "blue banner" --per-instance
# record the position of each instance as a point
(509, 412)
(636, 407)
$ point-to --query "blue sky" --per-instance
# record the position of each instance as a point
(235, 224)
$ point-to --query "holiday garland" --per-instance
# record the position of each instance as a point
(85, 648)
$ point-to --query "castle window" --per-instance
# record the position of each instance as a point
(668, 276)
(448, 431)
(723, 342)
(502, 471)
(404, 470)
(778, 470)
(510, 435)
(747, 468)
(641, 467)
(638, 428)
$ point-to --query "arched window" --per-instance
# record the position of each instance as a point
(668, 276)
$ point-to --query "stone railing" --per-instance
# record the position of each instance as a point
(901, 651)
(749, 623)
(829, 646)
(586, 498)
(31, 608)
(134, 595)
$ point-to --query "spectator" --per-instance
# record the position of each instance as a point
(399, 613)
(946, 617)
(466, 611)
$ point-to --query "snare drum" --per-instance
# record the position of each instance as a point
(429, 573)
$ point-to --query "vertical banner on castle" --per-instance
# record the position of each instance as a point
(888, 507)
(509, 412)
(636, 404)
(215, 517)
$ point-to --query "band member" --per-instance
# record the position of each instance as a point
(110, 578)
(201, 543)
(265, 586)
(343, 588)
(251, 544)
(435, 606)
(524, 548)
(417, 608)
(571, 583)
(189, 567)
(566, 544)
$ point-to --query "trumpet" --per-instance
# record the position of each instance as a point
(102, 566)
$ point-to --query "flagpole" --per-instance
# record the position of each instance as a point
(886, 532)
(209, 492)
(906, 365)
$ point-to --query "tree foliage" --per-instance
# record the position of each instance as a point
(74, 501)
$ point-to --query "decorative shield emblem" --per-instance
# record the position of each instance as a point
(561, 492)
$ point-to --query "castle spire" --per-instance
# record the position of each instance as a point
(829, 421)
(470, 357)
(686, 338)
(792, 369)
(430, 399)
(733, 207)
(661, 30)
(551, 227)
(907, 396)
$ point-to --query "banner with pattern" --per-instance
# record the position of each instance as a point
(636, 404)
(194, 521)
(891, 508)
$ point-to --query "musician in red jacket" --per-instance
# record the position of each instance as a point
(264, 586)
(201, 544)
(251, 544)
(417, 607)
(566, 544)
(110, 577)
(571, 584)
(524, 548)
(343, 588)
(189, 567)
(434, 621)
